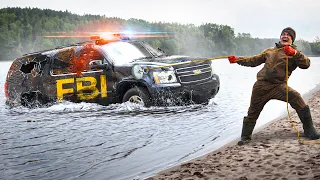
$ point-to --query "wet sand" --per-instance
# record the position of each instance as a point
(273, 153)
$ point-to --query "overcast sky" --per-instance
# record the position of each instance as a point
(263, 19)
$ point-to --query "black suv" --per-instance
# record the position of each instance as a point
(107, 72)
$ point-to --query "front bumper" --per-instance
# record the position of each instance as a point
(184, 94)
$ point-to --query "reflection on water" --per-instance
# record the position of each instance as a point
(126, 141)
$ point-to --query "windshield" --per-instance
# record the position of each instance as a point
(125, 52)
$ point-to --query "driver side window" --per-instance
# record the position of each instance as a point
(69, 61)
(88, 55)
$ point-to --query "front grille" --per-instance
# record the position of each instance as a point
(193, 73)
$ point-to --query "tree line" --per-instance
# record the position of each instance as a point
(22, 31)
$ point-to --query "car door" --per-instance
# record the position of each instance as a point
(61, 79)
(95, 83)
(81, 77)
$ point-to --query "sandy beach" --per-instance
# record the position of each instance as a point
(273, 153)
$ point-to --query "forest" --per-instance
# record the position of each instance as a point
(22, 31)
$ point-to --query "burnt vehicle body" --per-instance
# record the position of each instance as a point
(109, 72)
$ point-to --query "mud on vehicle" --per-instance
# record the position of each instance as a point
(108, 72)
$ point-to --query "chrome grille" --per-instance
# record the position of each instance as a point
(192, 73)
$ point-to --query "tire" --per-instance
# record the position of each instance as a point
(32, 100)
(138, 95)
(201, 100)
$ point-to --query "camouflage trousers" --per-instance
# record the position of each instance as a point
(264, 91)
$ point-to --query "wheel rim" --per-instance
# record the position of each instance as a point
(136, 99)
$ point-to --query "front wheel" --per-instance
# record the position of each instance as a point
(201, 100)
(138, 95)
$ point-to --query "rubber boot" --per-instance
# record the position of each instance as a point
(308, 127)
(247, 129)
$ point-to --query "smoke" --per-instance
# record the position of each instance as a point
(196, 45)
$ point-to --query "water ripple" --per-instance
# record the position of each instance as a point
(124, 141)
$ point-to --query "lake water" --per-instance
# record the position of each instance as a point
(125, 141)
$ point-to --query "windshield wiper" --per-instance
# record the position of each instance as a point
(142, 58)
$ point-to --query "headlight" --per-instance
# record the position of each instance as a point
(137, 71)
(164, 77)
(212, 70)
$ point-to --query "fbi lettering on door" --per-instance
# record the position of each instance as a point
(82, 84)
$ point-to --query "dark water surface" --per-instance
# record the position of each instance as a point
(126, 141)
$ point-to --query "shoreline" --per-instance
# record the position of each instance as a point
(273, 153)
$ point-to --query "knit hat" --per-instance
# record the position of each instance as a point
(291, 32)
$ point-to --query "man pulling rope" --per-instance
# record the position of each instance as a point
(272, 83)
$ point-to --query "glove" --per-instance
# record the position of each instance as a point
(289, 51)
(233, 59)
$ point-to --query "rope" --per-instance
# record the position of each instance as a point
(244, 59)
(289, 116)
(206, 59)
(189, 62)
(287, 99)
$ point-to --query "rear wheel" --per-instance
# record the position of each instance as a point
(138, 95)
(32, 99)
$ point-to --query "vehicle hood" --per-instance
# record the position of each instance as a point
(160, 61)
(173, 59)
(125, 70)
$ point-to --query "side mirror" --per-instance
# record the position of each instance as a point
(97, 64)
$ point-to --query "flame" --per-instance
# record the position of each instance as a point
(81, 64)
(77, 63)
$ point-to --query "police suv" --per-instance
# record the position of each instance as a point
(109, 71)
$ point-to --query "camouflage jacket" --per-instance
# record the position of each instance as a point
(274, 69)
